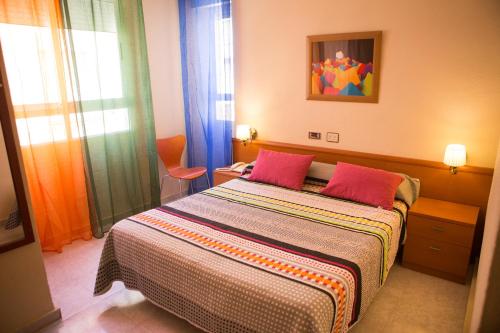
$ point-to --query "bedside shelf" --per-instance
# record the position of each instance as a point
(439, 238)
(221, 177)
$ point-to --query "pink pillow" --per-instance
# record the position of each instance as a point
(374, 187)
(282, 169)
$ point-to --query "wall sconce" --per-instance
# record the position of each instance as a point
(245, 133)
(454, 156)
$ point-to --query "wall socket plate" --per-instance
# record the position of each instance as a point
(332, 137)
(315, 135)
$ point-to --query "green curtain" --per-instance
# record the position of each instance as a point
(108, 66)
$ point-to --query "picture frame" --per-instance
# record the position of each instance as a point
(344, 67)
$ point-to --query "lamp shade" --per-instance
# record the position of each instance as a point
(454, 155)
(243, 132)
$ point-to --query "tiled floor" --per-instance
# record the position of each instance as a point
(71, 275)
(409, 301)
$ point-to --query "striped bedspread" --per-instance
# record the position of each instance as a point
(250, 257)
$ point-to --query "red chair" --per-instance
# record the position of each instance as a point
(170, 151)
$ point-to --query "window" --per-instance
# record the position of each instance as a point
(224, 69)
(29, 82)
(35, 82)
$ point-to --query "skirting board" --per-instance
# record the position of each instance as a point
(47, 319)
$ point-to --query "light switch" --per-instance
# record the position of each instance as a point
(332, 137)
(315, 135)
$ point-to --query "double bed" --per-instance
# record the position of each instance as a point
(253, 257)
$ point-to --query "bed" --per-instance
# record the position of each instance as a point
(252, 257)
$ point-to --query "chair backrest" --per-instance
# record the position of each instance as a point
(170, 150)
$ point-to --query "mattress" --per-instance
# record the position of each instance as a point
(251, 257)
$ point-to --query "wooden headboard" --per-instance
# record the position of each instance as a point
(471, 185)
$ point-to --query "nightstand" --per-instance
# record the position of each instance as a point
(439, 238)
(221, 177)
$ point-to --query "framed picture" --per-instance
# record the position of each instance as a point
(344, 67)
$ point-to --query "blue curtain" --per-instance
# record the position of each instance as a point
(208, 84)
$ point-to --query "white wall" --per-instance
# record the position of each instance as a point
(439, 84)
(486, 304)
(161, 19)
(24, 290)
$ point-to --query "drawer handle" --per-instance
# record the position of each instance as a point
(433, 248)
(438, 229)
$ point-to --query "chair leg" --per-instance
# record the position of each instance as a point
(208, 179)
(161, 185)
(191, 186)
(180, 187)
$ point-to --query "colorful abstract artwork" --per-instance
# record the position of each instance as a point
(344, 67)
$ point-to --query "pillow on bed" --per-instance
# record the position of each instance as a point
(408, 190)
(282, 169)
(321, 170)
(317, 170)
(374, 187)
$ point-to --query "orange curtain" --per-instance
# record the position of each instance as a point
(37, 70)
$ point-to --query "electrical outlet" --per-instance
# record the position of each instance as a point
(315, 135)
(332, 137)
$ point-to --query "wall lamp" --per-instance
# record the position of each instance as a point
(245, 133)
(454, 156)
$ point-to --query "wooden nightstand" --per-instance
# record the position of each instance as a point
(224, 176)
(439, 238)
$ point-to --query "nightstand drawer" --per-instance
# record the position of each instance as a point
(440, 231)
(437, 255)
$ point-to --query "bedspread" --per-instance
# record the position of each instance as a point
(251, 257)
